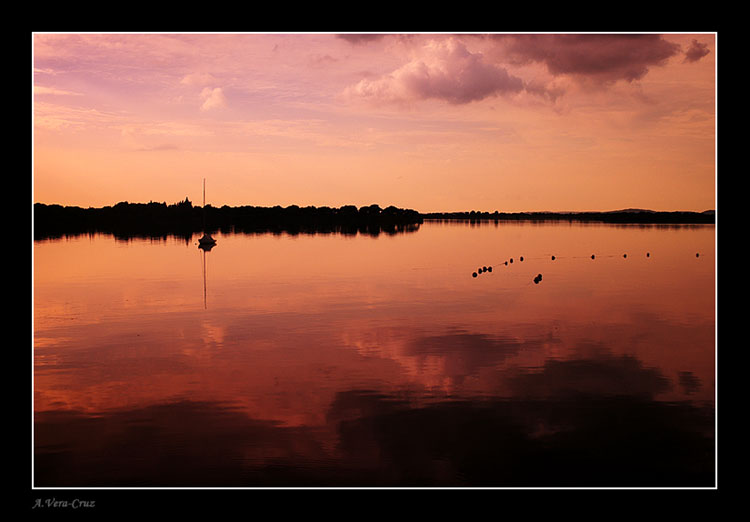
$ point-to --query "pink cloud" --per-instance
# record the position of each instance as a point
(444, 70)
(51, 90)
(199, 79)
(213, 98)
(360, 38)
(696, 51)
(599, 57)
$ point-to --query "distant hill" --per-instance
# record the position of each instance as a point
(644, 210)
(631, 215)
(631, 210)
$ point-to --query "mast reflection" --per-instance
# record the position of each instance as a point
(205, 248)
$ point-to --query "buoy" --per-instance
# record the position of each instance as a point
(539, 276)
(648, 254)
(697, 254)
(521, 258)
(489, 269)
(624, 255)
(592, 256)
(506, 263)
(474, 274)
(511, 259)
(553, 258)
(484, 269)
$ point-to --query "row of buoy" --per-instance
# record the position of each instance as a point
(483, 269)
(489, 268)
(593, 256)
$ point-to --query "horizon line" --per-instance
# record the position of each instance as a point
(623, 209)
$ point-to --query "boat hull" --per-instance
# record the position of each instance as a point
(206, 240)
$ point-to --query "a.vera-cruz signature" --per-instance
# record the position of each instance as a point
(55, 503)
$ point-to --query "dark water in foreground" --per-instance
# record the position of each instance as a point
(330, 360)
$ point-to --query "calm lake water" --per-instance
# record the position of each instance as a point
(330, 360)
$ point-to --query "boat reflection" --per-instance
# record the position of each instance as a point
(205, 247)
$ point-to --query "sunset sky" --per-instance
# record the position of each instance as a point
(433, 122)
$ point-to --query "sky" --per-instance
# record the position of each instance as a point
(433, 122)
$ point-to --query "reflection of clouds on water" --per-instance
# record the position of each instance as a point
(440, 361)
(585, 442)
(177, 444)
(533, 364)
(474, 349)
(463, 354)
(583, 422)
(605, 375)
(689, 382)
(212, 334)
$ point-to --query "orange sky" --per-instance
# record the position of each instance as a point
(433, 122)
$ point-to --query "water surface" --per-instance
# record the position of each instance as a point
(340, 360)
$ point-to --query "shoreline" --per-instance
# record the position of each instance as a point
(626, 216)
(183, 219)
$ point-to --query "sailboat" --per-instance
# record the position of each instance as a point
(205, 242)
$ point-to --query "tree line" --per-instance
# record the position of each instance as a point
(184, 219)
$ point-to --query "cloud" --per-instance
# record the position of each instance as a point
(199, 79)
(159, 136)
(599, 57)
(51, 90)
(59, 117)
(318, 60)
(696, 51)
(160, 147)
(44, 71)
(360, 39)
(213, 98)
(444, 70)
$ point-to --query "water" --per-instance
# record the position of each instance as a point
(331, 360)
